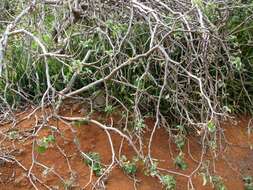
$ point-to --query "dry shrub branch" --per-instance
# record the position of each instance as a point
(178, 61)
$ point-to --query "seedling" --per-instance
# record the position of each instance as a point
(94, 162)
(109, 109)
(129, 167)
(168, 182)
(180, 163)
(44, 143)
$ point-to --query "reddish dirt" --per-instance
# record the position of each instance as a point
(234, 162)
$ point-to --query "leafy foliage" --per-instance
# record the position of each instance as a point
(169, 182)
(218, 183)
(129, 167)
(184, 62)
(94, 162)
(44, 143)
(179, 161)
(248, 183)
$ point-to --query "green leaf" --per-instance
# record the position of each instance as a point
(168, 181)
(51, 138)
(129, 167)
(211, 127)
(237, 62)
(180, 163)
(88, 43)
(199, 3)
(153, 169)
(139, 124)
(180, 127)
(109, 109)
(41, 149)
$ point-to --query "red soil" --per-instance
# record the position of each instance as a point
(232, 164)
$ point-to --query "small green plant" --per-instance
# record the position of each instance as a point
(44, 143)
(179, 162)
(129, 167)
(116, 28)
(152, 170)
(13, 135)
(211, 127)
(248, 183)
(218, 183)
(236, 61)
(139, 125)
(168, 182)
(109, 109)
(94, 162)
(181, 129)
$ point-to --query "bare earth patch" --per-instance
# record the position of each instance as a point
(61, 165)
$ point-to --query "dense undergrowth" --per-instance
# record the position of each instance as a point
(224, 66)
(185, 63)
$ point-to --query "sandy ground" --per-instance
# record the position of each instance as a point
(234, 162)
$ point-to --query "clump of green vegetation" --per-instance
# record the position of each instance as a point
(109, 109)
(13, 135)
(180, 163)
(128, 166)
(139, 125)
(43, 144)
(248, 183)
(94, 162)
(211, 127)
(218, 183)
(168, 182)
(152, 170)
(180, 137)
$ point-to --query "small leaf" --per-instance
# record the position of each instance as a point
(51, 139)
(211, 127)
(41, 149)
(180, 163)
(237, 62)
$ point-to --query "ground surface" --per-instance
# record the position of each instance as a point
(232, 164)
